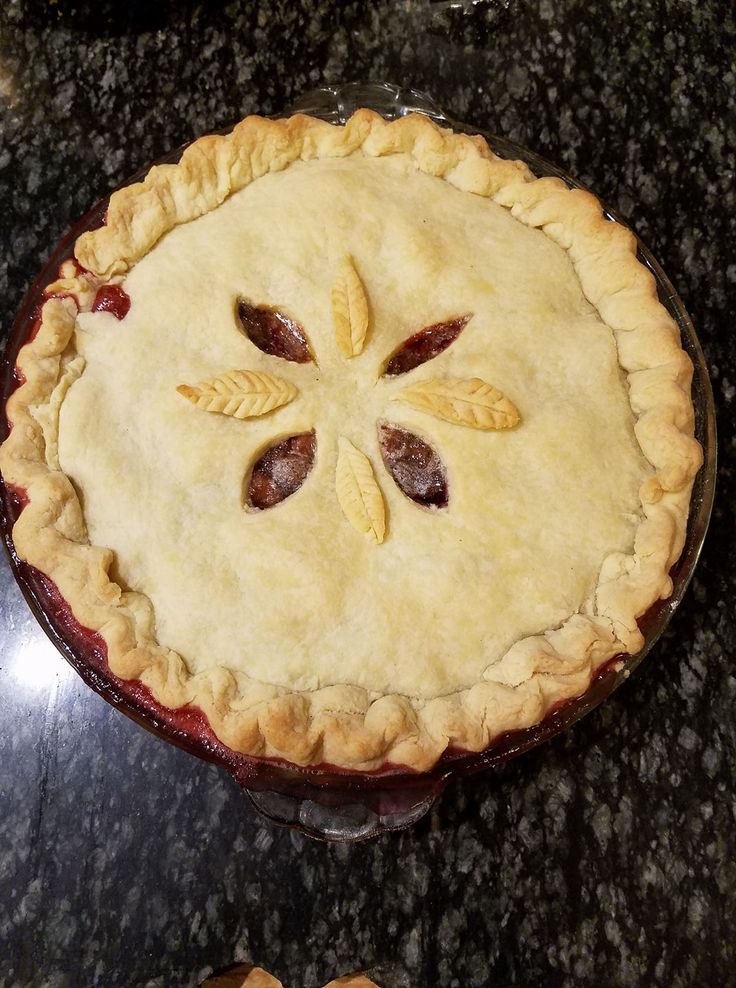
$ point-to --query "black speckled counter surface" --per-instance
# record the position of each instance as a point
(605, 857)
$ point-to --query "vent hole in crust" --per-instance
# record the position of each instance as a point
(425, 345)
(273, 332)
(280, 470)
(414, 465)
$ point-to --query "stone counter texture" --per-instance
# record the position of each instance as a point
(607, 857)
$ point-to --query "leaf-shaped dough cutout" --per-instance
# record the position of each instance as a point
(358, 491)
(425, 345)
(273, 332)
(470, 402)
(241, 394)
(349, 309)
(281, 470)
(415, 466)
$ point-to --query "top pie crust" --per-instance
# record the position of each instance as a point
(297, 634)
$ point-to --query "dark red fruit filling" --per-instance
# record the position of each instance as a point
(114, 299)
(281, 470)
(273, 332)
(425, 345)
(414, 465)
(17, 498)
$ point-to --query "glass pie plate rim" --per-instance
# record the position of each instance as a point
(321, 801)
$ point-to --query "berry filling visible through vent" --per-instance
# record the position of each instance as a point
(273, 332)
(414, 465)
(281, 470)
(425, 345)
(113, 299)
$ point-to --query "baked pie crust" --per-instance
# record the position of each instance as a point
(245, 976)
(351, 624)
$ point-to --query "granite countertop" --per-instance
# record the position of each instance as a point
(607, 855)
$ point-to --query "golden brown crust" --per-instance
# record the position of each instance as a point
(352, 981)
(342, 724)
(243, 976)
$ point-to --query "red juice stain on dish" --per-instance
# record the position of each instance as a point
(35, 325)
(17, 499)
(189, 726)
(425, 345)
(186, 726)
(113, 299)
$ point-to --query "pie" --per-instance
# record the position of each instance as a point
(245, 976)
(362, 440)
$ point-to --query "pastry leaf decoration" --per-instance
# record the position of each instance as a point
(349, 309)
(469, 401)
(416, 468)
(425, 345)
(241, 394)
(358, 491)
(281, 470)
(273, 332)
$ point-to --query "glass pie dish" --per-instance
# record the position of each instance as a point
(323, 801)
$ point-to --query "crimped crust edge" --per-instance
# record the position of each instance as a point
(345, 725)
